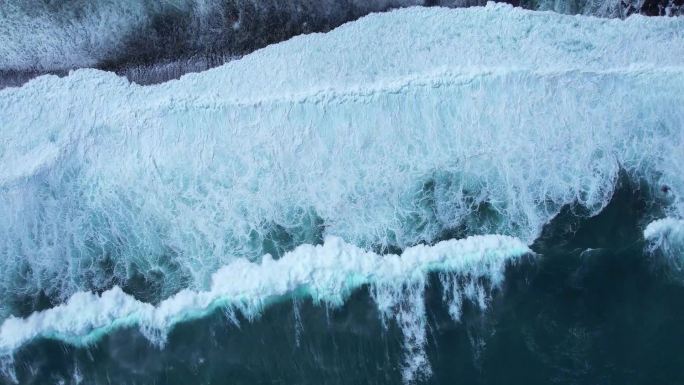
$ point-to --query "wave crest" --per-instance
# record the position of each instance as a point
(328, 273)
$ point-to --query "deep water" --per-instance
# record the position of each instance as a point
(591, 307)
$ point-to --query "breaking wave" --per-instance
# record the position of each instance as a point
(469, 268)
(105, 182)
(152, 41)
(400, 129)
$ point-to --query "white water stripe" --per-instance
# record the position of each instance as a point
(327, 273)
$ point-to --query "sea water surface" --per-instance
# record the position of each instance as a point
(429, 195)
(590, 306)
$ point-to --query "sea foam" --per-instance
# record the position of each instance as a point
(398, 129)
(667, 236)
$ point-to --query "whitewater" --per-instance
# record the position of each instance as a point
(151, 41)
(401, 129)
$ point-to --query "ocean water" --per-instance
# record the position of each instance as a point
(425, 195)
(590, 306)
(151, 41)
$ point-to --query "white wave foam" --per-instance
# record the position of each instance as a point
(53, 36)
(385, 132)
(39, 35)
(327, 273)
(667, 236)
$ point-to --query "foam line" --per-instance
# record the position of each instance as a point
(327, 273)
